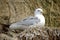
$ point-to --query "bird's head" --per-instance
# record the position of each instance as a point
(38, 11)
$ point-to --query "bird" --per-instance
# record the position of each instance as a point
(37, 19)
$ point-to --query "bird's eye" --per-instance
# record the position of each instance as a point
(38, 10)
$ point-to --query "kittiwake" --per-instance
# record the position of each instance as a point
(37, 19)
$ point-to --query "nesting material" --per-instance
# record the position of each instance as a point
(38, 33)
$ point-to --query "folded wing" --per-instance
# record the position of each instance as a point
(29, 21)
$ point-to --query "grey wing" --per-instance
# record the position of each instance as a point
(29, 21)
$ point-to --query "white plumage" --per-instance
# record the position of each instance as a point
(37, 19)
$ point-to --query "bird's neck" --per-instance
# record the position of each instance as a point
(38, 16)
(41, 18)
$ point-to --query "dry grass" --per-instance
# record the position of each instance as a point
(17, 10)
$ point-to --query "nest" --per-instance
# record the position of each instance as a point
(32, 33)
(39, 33)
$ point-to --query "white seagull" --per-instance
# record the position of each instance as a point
(38, 19)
